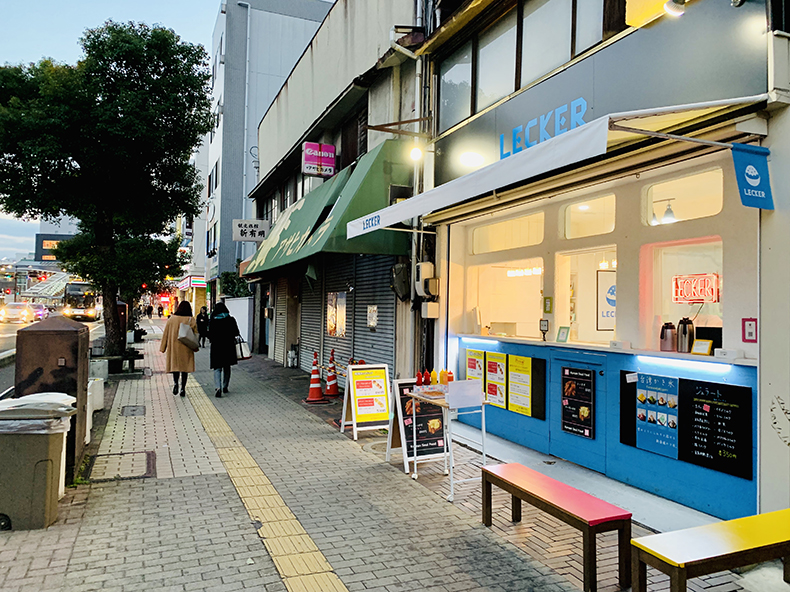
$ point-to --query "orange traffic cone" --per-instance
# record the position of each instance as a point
(331, 379)
(315, 397)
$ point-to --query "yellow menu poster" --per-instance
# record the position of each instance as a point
(475, 360)
(519, 381)
(370, 394)
(496, 378)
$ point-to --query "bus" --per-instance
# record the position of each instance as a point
(81, 302)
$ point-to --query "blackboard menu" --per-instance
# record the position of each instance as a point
(430, 423)
(716, 422)
(578, 402)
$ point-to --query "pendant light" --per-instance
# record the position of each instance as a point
(669, 215)
(675, 7)
(654, 221)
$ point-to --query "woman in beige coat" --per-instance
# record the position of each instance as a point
(180, 359)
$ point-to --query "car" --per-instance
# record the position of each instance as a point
(17, 312)
(41, 311)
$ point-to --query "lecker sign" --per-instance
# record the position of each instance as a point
(696, 288)
(318, 159)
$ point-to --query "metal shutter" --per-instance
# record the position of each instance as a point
(280, 319)
(310, 326)
(339, 271)
(373, 288)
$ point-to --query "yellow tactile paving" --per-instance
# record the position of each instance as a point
(290, 545)
(302, 566)
(283, 528)
(323, 582)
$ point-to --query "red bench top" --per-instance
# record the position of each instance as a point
(587, 507)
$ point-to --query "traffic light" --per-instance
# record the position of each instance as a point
(145, 286)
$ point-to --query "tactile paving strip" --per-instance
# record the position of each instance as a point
(301, 565)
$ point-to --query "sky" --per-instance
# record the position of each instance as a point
(31, 30)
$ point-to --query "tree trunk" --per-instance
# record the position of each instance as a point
(115, 342)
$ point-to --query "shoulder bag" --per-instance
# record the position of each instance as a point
(187, 336)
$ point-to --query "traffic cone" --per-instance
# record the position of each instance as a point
(331, 379)
(315, 397)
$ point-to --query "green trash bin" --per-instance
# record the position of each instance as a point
(32, 436)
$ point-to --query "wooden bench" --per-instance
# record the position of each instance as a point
(575, 508)
(694, 552)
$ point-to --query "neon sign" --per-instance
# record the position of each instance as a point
(695, 288)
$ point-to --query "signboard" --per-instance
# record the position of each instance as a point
(695, 288)
(519, 385)
(496, 378)
(429, 424)
(366, 401)
(751, 171)
(578, 402)
(373, 315)
(607, 299)
(250, 230)
(336, 314)
(716, 427)
(657, 414)
(318, 159)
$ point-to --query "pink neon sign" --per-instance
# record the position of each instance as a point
(695, 288)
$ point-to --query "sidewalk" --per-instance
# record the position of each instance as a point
(254, 491)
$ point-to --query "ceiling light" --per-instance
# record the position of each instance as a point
(471, 159)
(416, 153)
(669, 215)
(584, 208)
(675, 7)
(654, 221)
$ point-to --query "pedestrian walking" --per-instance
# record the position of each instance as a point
(149, 311)
(180, 359)
(159, 310)
(222, 331)
(202, 324)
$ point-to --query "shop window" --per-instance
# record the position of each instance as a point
(546, 37)
(589, 24)
(590, 217)
(509, 234)
(686, 198)
(506, 297)
(455, 85)
(686, 278)
(587, 294)
(496, 62)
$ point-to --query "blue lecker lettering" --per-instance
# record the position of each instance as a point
(371, 222)
(566, 117)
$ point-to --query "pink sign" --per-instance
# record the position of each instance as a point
(318, 159)
(695, 288)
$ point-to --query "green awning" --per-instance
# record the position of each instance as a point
(317, 223)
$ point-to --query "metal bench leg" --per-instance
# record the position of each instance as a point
(677, 580)
(624, 554)
(638, 572)
(786, 561)
(589, 559)
(486, 500)
(515, 509)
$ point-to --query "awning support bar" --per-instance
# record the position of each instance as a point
(621, 128)
(409, 230)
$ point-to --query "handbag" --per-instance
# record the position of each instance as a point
(187, 336)
(242, 349)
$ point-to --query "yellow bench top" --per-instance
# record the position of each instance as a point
(692, 545)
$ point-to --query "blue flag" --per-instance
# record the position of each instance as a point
(751, 170)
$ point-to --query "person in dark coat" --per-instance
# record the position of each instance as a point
(222, 330)
(149, 311)
(202, 325)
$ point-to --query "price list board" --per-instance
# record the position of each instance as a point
(578, 402)
(717, 427)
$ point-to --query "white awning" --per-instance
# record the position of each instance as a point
(583, 143)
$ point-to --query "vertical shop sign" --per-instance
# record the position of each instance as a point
(519, 384)
(496, 378)
(578, 402)
(751, 171)
(657, 414)
(607, 299)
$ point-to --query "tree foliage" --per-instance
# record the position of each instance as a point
(107, 141)
(232, 284)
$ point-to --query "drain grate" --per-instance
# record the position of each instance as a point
(133, 410)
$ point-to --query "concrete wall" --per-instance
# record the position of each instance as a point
(351, 39)
(241, 310)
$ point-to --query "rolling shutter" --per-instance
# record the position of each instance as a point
(339, 271)
(310, 326)
(280, 319)
(375, 345)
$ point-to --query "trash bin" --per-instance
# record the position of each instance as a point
(31, 459)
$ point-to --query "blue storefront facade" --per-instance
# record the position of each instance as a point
(619, 254)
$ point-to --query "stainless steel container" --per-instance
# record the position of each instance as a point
(685, 335)
(668, 341)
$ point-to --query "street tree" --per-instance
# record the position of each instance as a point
(107, 141)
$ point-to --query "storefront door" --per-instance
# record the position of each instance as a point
(577, 408)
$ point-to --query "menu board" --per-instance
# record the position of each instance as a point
(519, 381)
(578, 402)
(717, 427)
(366, 403)
(429, 422)
(496, 378)
(657, 414)
(475, 360)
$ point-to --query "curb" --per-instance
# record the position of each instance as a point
(7, 358)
